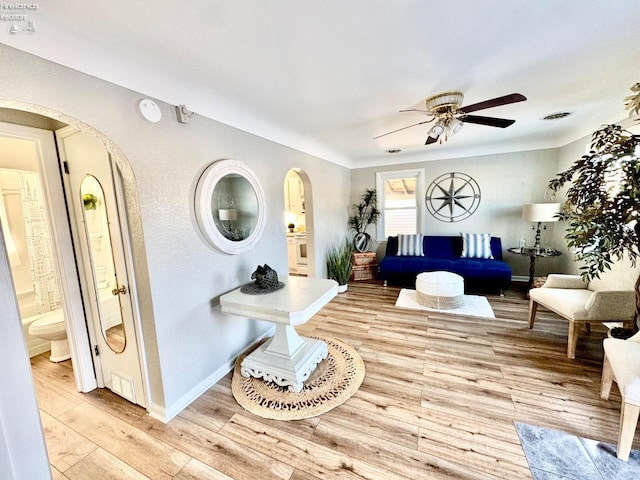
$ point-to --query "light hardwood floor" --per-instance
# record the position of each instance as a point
(439, 400)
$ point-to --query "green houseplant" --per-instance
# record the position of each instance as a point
(339, 263)
(602, 203)
(90, 201)
(365, 213)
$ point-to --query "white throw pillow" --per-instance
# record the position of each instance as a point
(410, 245)
(476, 245)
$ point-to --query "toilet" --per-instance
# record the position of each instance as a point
(51, 326)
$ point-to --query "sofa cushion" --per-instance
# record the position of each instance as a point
(415, 265)
(442, 247)
(410, 245)
(476, 245)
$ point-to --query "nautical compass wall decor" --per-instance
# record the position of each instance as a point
(453, 197)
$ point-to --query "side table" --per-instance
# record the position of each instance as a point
(533, 253)
(286, 358)
(363, 266)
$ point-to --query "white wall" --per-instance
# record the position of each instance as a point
(568, 155)
(506, 182)
(181, 278)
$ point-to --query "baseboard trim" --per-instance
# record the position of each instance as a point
(165, 414)
(520, 278)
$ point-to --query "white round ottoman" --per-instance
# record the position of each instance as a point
(442, 290)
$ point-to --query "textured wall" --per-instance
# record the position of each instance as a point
(506, 182)
(180, 277)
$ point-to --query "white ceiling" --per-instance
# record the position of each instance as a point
(326, 76)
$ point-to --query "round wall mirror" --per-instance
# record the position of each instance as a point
(229, 206)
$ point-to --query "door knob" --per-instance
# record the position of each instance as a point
(121, 290)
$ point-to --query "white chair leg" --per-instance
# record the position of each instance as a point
(607, 379)
(628, 423)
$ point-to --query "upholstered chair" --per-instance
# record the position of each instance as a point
(622, 365)
(610, 298)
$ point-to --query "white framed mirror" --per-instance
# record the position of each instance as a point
(230, 206)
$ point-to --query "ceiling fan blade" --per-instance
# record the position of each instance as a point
(416, 110)
(489, 121)
(494, 102)
(431, 140)
(403, 128)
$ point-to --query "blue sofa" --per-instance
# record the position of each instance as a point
(442, 253)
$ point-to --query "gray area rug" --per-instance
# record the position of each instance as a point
(555, 455)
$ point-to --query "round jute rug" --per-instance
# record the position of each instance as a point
(332, 383)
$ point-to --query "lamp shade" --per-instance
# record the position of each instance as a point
(540, 212)
(436, 130)
(454, 126)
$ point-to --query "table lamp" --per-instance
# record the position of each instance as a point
(540, 213)
(227, 214)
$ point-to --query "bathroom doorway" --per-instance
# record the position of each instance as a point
(298, 219)
(43, 261)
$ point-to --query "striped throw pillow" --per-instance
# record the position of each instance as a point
(410, 245)
(476, 245)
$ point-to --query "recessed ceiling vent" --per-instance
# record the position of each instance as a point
(394, 150)
(557, 115)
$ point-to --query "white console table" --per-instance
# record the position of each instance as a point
(286, 358)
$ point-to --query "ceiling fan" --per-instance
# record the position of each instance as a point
(445, 108)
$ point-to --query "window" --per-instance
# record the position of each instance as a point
(399, 195)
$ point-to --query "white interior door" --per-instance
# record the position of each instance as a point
(92, 200)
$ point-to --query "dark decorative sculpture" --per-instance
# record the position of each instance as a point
(265, 277)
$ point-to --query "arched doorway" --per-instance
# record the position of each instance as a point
(84, 327)
(298, 211)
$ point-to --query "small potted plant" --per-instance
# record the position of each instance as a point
(366, 213)
(90, 201)
(339, 263)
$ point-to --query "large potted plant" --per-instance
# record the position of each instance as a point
(602, 205)
(365, 213)
(339, 263)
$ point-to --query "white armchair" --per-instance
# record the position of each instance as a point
(622, 364)
(609, 298)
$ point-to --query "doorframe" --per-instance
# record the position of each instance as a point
(65, 257)
(312, 270)
(22, 404)
(135, 251)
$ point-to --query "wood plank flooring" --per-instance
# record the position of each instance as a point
(438, 401)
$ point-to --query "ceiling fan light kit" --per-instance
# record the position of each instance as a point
(445, 108)
(436, 130)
